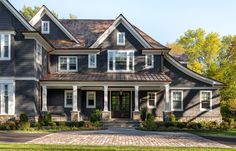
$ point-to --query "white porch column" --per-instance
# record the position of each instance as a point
(75, 98)
(136, 100)
(167, 99)
(105, 98)
(44, 99)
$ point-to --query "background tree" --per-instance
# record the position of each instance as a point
(72, 16)
(176, 49)
(28, 12)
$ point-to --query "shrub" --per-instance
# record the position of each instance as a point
(193, 125)
(95, 116)
(10, 125)
(203, 124)
(212, 125)
(143, 113)
(181, 125)
(24, 125)
(231, 123)
(224, 125)
(172, 118)
(24, 117)
(61, 123)
(150, 123)
(45, 119)
(75, 124)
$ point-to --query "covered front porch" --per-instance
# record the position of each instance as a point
(77, 100)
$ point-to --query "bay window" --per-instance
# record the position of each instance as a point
(68, 63)
(5, 49)
(120, 60)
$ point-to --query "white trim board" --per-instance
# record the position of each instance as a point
(17, 14)
(19, 78)
(44, 10)
(121, 20)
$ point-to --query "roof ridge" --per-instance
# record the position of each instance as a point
(87, 19)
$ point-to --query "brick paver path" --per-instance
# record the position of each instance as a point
(126, 137)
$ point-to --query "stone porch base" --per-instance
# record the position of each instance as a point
(106, 115)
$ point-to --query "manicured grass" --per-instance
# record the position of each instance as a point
(24, 147)
(220, 133)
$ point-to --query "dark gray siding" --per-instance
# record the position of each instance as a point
(25, 97)
(55, 32)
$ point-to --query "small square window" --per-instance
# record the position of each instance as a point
(45, 27)
(120, 38)
(92, 60)
(91, 100)
(68, 98)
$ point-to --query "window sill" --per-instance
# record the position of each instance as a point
(69, 106)
(5, 59)
(90, 107)
(202, 110)
(177, 110)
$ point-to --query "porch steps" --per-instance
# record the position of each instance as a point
(120, 123)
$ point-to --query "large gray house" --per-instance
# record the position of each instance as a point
(70, 67)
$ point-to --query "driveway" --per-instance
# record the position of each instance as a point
(126, 137)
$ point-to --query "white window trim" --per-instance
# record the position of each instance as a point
(36, 53)
(65, 98)
(117, 38)
(114, 61)
(182, 100)
(2, 34)
(48, 24)
(155, 101)
(87, 102)
(146, 61)
(203, 109)
(89, 63)
(67, 64)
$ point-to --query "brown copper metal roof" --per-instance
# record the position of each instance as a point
(107, 77)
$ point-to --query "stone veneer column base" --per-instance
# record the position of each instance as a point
(75, 116)
(106, 115)
(136, 115)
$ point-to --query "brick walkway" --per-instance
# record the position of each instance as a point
(126, 137)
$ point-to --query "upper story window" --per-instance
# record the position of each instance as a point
(205, 100)
(5, 49)
(45, 27)
(68, 63)
(120, 38)
(68, 98)
(151, 99)
(149, 61)
(120, 60)
(92, 60)
(38, 51)
(177, 100)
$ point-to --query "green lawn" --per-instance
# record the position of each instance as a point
(24, 147)
(221, 133)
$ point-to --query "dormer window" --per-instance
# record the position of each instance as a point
(149, 59)
(45, 27)
(121, 38)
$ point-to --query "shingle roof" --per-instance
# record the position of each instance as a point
(107, 77)
(88, 31)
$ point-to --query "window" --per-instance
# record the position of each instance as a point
(151, 99)
(38, 51)
(45, 27)
(177, 100)
(120, 38)
(68, 63)
(205, 100)
(91, 100)
(149, 59)
(68, 98)
(121, 60)
(92, 60)
(6, 99)
(5, 49)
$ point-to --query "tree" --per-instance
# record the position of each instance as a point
(28, 12)
(176, 49)
(71, 16)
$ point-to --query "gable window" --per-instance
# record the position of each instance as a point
(91, 100)
(205, 100)
(68, 98)
(5, 49)
(45, 27)
(38, 51)
(120, 38)
(149, 59)
(68, 63)
(151, 99)
(92, 60)
(120, 60)
(177, 100)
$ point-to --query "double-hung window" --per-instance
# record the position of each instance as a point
(91, 100)
(45, 27)
(149, 61)
(177, 100)
(121, 38)
(205, 100)
(120, 60)
(5, 49)
(68, 98)
(6, 99)
(38, 51)
(92, 60)
(68, 63)
(151, 99)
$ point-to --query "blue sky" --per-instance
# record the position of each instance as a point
(164, 20)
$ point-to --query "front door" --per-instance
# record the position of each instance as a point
(120, 104)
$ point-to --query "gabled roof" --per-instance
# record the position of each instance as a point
(44, 10)
(17, 14)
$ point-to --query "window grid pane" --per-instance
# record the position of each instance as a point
(151, 99)
(205, 100)
(177, 100)
(72, 63)
(69, 98)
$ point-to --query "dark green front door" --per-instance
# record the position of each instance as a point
(120, 104)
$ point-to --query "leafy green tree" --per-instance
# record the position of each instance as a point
(72, 16)
(176, 49)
